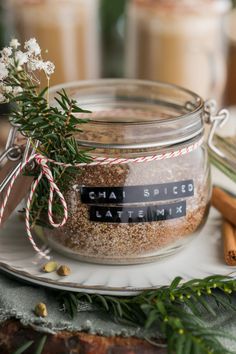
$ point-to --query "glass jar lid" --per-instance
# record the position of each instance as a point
(131, 114)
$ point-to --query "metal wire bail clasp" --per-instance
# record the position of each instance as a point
(216, 119)
(12, 152)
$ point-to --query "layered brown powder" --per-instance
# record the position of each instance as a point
(124, 241)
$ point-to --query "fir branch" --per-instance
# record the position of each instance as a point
(53, 127)
(24, 347)
(38, 350)
(181, 326)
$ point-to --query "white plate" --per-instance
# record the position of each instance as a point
(202, 257)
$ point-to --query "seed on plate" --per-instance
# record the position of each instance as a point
(63, 270)
(41, 310)
(50, 267)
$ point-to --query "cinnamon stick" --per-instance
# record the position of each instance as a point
(225, 203)
(229, 236)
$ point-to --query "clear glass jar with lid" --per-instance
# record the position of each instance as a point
(147, 192)
(180, 42)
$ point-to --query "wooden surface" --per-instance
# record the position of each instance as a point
(13, 335)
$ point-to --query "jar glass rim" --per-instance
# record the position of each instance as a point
(83, 84)
(130, 113)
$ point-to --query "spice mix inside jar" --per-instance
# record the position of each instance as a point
(147, 192)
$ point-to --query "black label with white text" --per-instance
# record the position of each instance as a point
(136, 194)
(127, 214)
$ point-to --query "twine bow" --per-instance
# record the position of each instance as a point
(45, 171)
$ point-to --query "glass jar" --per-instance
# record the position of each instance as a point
(67, 29)
(180, 42)
(148, 192)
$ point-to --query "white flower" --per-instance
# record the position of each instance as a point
(49, 68)
(7, 61)
(6, 52)
(14, 43)
(17, 90)
(21, 58)
(7, 89)
(6, 56)
(32, 47)
(3, 71)
(35, 64)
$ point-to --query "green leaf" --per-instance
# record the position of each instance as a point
(103, 301)
(175, 283)
(180, 349)
(23, 348)
(41, 345)
(43, 92)
(161, 307)
(206, 305)
(192, 307)
(152, 317)
(188, 345)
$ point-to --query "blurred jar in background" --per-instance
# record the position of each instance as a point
(230, 92)
(179, 42)
(68, 29)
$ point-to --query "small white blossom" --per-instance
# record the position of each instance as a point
(5, 56)
(17, 90)
(3, 71)
(49, 68)
(14, 43)
(6, 52)
(7, 89)
(35, 64)
(21, 58)
(32, 47)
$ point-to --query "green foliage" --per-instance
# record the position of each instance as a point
(24, 347)
(39, 346)
(176, 311)
(54, 129)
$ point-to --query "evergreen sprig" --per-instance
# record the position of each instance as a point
(39, 346)
(176, 311)
(54, 128)
(51, 129)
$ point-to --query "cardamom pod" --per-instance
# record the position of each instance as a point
(41, 310)
(50, 267)
(63, 270)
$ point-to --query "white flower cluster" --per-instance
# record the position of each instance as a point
(13, 58)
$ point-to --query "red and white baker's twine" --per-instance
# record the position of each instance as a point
(45, 171)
